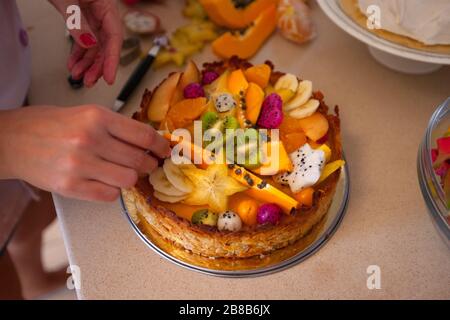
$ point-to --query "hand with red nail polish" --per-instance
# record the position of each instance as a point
(96, 50)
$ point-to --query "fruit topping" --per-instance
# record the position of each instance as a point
(161, 97)
(237, 84)
(326, 149)
(229, 221)
(176, 176)
(247, 209)
(293, 141)
(331, 168)
(193, 90)
(269, 213)
(271, 112)
(443, 145)
(308, 165)
(302, 95)
(209, 77)
(166, 198)
(259, 74)
(208, 119)
(205, 217)
(247, 148)
(280, 162)
(191, 74)
(315, 126)
(212, 187)
(261, 190)
(224, 102)
(305, 197)
(306, 109)
(287, 81)
(160, 183)
(186, 111)
(253, 101)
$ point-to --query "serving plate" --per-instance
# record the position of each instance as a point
(391, 54)
(255, 266)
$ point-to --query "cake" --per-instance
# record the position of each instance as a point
(416, 24)
(225, 207)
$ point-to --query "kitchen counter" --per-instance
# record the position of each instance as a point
(384, 115)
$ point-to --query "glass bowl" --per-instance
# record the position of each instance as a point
(429, 181)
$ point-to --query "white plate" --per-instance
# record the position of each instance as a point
(333, 10)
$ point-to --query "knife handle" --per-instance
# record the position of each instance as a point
(136, 77)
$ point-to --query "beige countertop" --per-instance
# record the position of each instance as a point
(384, 116)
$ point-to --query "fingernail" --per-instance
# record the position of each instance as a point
(88, 39)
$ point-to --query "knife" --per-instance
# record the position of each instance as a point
(139, 72)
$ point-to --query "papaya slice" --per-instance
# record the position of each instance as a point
(246, 45)
(225, 14)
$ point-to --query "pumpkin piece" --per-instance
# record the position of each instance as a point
(225, 14)
(305, 197)
(293, 141)
(186, 111)
(237, 83)
(246, 45)
(259, 74)
(275, 164)
(314, 126)
(253, 100)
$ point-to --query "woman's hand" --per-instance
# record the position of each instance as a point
(96, 51)
(85, 152)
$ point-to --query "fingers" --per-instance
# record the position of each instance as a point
(111, 174)
(84, 64)
(112, 29)
(123, 154)
(76, 54)
(138, 134)
(91, 190)
(94, 72)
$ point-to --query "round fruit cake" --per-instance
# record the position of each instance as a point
(262, 183)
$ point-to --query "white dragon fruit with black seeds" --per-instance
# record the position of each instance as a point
(224, 102)
(308, 165)
(282, 178)
(229, 221)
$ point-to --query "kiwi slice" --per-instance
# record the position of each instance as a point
(209, 119)
(247, 148)
(230, 122)
(204, 216)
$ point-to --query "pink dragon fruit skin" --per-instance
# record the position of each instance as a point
(209, 77)
(434, 155)
(444, 145)
(194, 90)
(271, 114)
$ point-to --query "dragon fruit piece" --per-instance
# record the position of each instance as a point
(268, 213)
(441, 171)
(209, 77)
(444, 145)
(193, 90)
(308, 165)
(271, 112)
(434, 155)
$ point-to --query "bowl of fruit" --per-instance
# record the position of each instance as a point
(434, 169)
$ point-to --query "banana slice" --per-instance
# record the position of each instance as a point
(288, 81)
(170, 199)
(303, 94)
(176, 176)
(305, 110)
(161, 184)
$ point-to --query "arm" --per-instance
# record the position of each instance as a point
(85, 152)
